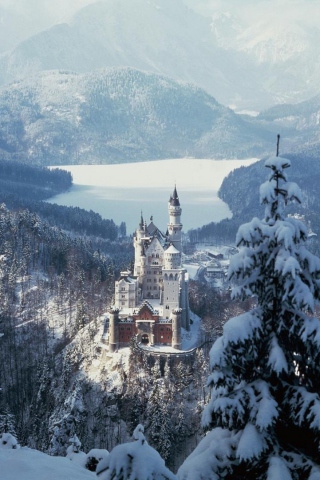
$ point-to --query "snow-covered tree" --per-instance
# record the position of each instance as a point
(74, 452)
(7, 422)
(134, 460)
(160, 425)
(264, 411)
(8, 441)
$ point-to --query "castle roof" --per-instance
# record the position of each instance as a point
(172, 249)
(174, 199)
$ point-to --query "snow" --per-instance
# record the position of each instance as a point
(277, 359)
(121, 191)
(278, 470)
(210, 454)
(277, 163)
(8, 442)
(251, 443)
(134, 460)
(28, 464)
(241, 328)
(192, 270)
(98, 453)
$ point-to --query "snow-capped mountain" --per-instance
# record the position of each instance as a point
(245, 65)
(155, 35)
(119, 115)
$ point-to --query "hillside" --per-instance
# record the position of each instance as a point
(240, 189)
(119, 115)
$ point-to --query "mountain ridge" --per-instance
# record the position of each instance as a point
(119, 115)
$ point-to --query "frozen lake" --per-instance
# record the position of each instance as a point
(122, 191)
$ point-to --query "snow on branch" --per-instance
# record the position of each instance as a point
(252, 443)
(310, 331)
(277, 163)
(241, 328)
(277, 360)
(278, 469)
(236, 330)
(306, 406)
(211, 457)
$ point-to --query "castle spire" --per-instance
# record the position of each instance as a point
(141, 221)
(174, 198)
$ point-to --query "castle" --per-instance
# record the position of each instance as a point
(152, 303)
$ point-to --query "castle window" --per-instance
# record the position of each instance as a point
(155, 287)
(123, 289)
(154, 279)
(123, 296)
(123, 303)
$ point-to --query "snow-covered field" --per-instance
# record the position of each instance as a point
(121, 191)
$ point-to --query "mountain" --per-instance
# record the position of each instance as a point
(240, 189)
(299, 121)
(279, 55)
(156, 35)
(247, 65)
(119, 115)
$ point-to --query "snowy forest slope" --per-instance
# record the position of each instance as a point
(119, 115)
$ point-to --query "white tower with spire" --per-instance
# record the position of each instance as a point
(175, 225)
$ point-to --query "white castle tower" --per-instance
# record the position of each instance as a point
(175, 225)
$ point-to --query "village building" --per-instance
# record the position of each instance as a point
(152, 302)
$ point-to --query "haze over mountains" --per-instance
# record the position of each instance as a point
(243, 63)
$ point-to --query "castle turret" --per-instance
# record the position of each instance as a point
(176, 328)
(138, 246)
(175, 225)
(113, 329)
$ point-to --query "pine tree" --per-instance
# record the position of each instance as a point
(264, 410)
(7, 422)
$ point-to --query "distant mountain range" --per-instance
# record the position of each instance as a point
(118, 115)
(251, 66)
